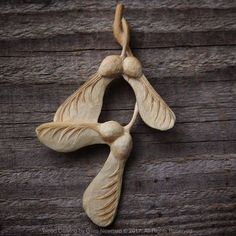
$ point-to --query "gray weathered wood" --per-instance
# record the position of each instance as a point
(76, 25)
(179, 182)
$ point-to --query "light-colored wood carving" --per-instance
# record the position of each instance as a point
(75, 124)
(101, 198)
(85, 104)
(68, 136)
(152, 108)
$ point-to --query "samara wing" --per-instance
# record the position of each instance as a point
(68, 137)
(85, 104)
(101, 198)
(152, 108)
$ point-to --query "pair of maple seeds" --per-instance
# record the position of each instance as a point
(114, 65)
(75, 124)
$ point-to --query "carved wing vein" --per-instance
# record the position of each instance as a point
(71, 103)
(152, 108)
(110, 184)
(112, 201)
(108, 211)
(108, 194)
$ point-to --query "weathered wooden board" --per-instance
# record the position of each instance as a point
(179, 182)
(52, 25)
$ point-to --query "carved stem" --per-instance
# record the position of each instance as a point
(117, 27)
(122, 35)
(133, 119)
(121, 31)
(125, 34)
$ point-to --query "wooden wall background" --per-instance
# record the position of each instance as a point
(180, 182)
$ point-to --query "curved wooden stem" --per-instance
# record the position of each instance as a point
(117, 26)
(122, 35)
(126, 34)
(121, 31)
(133, 119)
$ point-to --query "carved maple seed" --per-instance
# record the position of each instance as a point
(111, 130)
(69, 136)
(111, 66)
(122, 146)
(76, 124)
(101, 198)
(152, 108)
(132, 67)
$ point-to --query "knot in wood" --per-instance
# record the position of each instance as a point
(132, 67)
(111, 66)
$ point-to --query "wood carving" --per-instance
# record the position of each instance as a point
(75, 124)
(85, 104)
(152, 108)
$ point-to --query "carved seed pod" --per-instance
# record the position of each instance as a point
(111, 130)
(122, 146)
(111, 66)
(132, 67)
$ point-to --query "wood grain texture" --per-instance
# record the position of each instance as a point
(51, 25)
(179, 182)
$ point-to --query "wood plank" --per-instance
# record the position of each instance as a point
(189, 199)
(64, 5)
(61, 26)
(176, 65)
(179, 182)
(190, 132)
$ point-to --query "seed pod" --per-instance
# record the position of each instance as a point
(132, 67)
(122, 146)
(111, 130)
(111, 66)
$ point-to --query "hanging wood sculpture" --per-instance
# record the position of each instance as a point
(75, 124)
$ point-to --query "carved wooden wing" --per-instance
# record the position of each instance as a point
(85, 104)
(101, 198)
(152, 108)
(68, 137)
